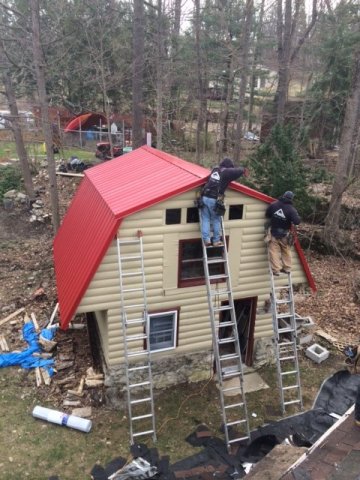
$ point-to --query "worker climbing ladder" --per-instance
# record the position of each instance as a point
(135, 328)
(284, 324)
(226, 348)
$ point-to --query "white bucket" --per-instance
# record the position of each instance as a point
(61, 418)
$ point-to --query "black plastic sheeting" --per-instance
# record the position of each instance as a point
(336, 395)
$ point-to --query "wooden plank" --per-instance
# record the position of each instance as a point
(36, 325)
(12, 316)
(38, 376)
(3, 344)
(46, 377)
(53, 316)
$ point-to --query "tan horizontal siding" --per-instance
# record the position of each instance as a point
(248, 266)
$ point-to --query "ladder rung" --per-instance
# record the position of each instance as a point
(230, 389)
(286, 330)
(147, 432)
(218, 277)
(291, 402)
(137, 354)
(286, 358)
(141, 417)
(241, 404)
(285, 315)
(223, 308)
(132, 338)
(231, 374)
(228, 356)
(130, 257)
(235, 422)
(128, 241)
(239, 439)
(213, 261)
(132, 274)
(225, 324)
(282, 287)
(140, 400)
(280, 302)
(141, 367)
(291, 387)
(291, 372)
(141, 384)
(223, 341)
(136, 321)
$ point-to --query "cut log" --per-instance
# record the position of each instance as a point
(36, 325)
(93, 382)
(46, 376)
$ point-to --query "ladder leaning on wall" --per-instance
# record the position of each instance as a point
(285, 336)
(227, 351)
(135, 329)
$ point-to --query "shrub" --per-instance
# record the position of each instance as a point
(10, 179)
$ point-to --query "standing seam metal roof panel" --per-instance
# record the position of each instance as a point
(108, 193)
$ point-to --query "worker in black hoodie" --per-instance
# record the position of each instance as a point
(282, 215)
(215, 187)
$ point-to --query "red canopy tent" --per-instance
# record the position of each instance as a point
(85, 122)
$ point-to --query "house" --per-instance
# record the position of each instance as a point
(154, 192)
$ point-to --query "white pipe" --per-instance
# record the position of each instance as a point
(60, 418)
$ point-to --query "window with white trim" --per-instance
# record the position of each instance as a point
(163, 330)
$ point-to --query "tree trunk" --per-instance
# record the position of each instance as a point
(224, 115)
(138, 73)
(159, 77)
(249, 10)
(39, 63)
(201, 86)
(258, 36)
(348, 152)
(15, 126)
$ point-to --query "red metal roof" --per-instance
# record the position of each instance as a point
(108, 193)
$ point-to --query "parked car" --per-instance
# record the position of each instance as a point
(251, 137)
(103, 151)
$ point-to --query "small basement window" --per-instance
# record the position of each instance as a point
(163, 330)
(192, 215)
(173, 216)
(236, 212)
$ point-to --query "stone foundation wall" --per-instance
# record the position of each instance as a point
(166, 372)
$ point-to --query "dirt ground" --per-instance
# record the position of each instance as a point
(27, 280)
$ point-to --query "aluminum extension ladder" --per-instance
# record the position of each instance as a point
(228, 364)
(135, 328)
(285, 337)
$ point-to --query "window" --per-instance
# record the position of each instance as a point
(191, 269)
(163, 330)
(236, 212)
(173, 216)
(192, 215)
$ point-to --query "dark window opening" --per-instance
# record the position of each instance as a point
(173, 216)
(236, 212)
(192, 215)
(163, 328)
(191, 268)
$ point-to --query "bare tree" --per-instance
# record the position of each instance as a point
(202, 103)
(138, 73)
(287, 19)
(15, 125)
(244, 55)
(348, 153)
(39, 63)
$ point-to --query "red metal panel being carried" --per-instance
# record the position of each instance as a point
(108, 193)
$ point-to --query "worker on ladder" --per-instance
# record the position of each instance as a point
(281, 215)
(212, 200)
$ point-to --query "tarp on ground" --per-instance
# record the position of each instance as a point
(85, 122)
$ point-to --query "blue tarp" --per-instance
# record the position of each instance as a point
(26, 359)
